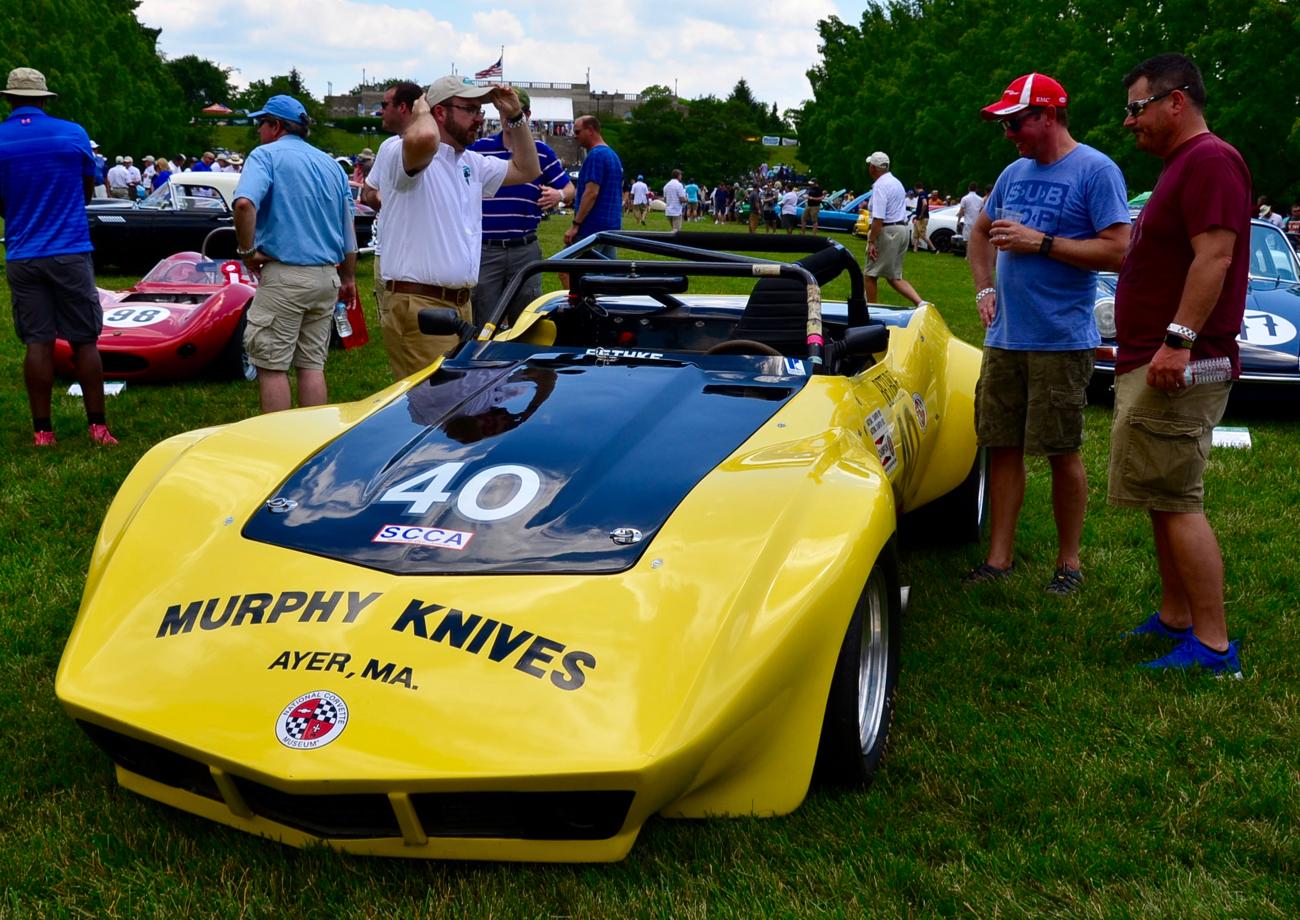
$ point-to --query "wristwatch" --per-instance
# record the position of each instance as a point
(245, 253)
(1046, 245)
(517, 121)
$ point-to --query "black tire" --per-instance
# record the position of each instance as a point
(958, 517)
(941, 240)
(860, 706)
(232, 363)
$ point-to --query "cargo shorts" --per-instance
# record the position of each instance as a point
(291, 316)
(1032, 400)
(1160, 441)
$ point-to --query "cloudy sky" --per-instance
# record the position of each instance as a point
(703, 45)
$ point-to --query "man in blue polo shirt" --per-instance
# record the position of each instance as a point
(47, 174)
(600, 186)
(510, 219)
(293, 224)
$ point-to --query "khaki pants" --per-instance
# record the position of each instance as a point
(409, 349)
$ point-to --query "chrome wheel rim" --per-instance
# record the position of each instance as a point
(873, 663)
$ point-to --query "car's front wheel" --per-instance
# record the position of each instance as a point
(860, 706)
(941, 240)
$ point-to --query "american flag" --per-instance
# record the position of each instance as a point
(492, 72)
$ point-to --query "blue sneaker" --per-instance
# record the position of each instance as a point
(1192, 653)
(1154, 626)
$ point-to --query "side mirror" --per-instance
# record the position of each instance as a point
(444, 321)
(859, 342)
(866, 340)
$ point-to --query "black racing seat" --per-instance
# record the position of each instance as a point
(777, 311)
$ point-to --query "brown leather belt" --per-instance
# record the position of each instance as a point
(457, 296)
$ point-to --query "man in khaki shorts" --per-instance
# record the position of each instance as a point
(293, 226)
(1181, 296)
(887, 238)
(432, 189)
(1055, 216)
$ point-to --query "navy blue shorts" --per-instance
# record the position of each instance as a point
(55, 297)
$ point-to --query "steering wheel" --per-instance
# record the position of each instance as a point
(742, 347)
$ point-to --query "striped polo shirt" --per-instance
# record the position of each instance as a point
(514, 212)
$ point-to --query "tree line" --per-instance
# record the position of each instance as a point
(912, 75)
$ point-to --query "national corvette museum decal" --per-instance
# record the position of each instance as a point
(311, 721)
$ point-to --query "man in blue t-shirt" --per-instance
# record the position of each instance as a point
(600, 186)
(1054, 218)
(47, 174)
(510, 220)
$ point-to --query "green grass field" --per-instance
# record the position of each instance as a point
(1033, 772)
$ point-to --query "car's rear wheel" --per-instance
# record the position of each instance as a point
(860, 706)
(941, 240)
(958, 517)
(233, 363)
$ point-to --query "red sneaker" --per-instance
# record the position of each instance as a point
(44, 439)
(101, 436)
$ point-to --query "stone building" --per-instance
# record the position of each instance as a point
(554, 105)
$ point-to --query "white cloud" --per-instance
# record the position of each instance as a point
(704, 46)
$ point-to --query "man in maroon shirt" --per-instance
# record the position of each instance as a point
(1180, 297)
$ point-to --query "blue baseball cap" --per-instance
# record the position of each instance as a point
(286, 107)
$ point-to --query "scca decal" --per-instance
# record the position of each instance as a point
(256, 609)
(471, 632)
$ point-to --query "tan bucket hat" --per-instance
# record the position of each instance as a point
(26, 81)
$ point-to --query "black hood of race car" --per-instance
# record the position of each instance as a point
(526, 466)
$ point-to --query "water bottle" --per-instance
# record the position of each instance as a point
(1208, 370)
(341, 321)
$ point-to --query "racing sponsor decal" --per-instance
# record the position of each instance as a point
(534, 655)
(878, 431)
(887, 384)
(311, 721)
(423, 536)
(919, 405)
(492, 494)
(616, 353)
(1266, 329)
(794, 367)
(256, 609)
(135, 317)
(385, 672)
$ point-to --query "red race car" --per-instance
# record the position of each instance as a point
(183, 319)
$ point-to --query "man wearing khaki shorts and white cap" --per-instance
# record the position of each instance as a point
(293, 225)
(432, 189)
(887, 238)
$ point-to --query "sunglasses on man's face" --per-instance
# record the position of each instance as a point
(1015, 124)
(1138, 106)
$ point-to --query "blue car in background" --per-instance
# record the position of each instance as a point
(1269, 339)
(843, 216)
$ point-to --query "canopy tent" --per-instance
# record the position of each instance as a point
(217, 109)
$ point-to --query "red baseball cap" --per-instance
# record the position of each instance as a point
(1029, 90)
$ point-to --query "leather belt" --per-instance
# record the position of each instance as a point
(457, 296)
(894, 223)
(512, 241)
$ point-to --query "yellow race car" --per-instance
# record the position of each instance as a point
(630, 552)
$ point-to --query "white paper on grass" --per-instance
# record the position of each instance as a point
(111, 388)
(1231, 437)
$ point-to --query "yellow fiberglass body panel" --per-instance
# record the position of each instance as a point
(543, 714)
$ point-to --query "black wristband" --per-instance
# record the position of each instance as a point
(1046, 245)
(1174, 340)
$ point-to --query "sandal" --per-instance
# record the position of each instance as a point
(1065, 581)
(985, 573)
